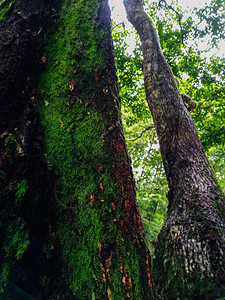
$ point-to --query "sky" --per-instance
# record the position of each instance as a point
(118, 12)
(119, 15)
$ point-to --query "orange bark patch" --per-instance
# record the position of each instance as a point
(137, 240)
(137, 222)
(149, 272)
(127, 206)
(126, 279)
(92, 199)
(105, 267)
(99, 168)
(119, 148)
(99, 246)
(43, 59)
(113, 205)
(103, 273)
(71, 85)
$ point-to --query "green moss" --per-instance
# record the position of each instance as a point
(4, 8)
(74, 141)
(10, 145)
(20, 191)
(15, 244)
(3, 277)
(88, 227)
(17, 240)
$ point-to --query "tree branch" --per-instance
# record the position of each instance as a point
(179, 18)
(146, 129)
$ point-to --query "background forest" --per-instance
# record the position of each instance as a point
(192, 39)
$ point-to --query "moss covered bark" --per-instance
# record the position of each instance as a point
(27, 211)
(99, 227)
(70, 228)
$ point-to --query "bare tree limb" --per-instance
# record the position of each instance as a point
(138, 137)
(179, 18)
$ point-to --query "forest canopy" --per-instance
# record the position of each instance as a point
(192, 40)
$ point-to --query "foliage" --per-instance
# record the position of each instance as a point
(4, 8)
(199, 77)
(216, 157)
(213, 19)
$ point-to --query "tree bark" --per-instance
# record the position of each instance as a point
(99, 226)
(190, 257)
(76, 220)
(27, 219)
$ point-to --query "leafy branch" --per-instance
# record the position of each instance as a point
(178, 15)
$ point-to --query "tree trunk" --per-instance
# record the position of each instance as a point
(27, 210)
(190, 257)
(82, 231)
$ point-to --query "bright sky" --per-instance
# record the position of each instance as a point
(119, 15)
(118, 12)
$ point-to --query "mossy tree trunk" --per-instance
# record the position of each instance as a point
(27, 209)
(99, 227)
(75, 230)
(190, 257)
